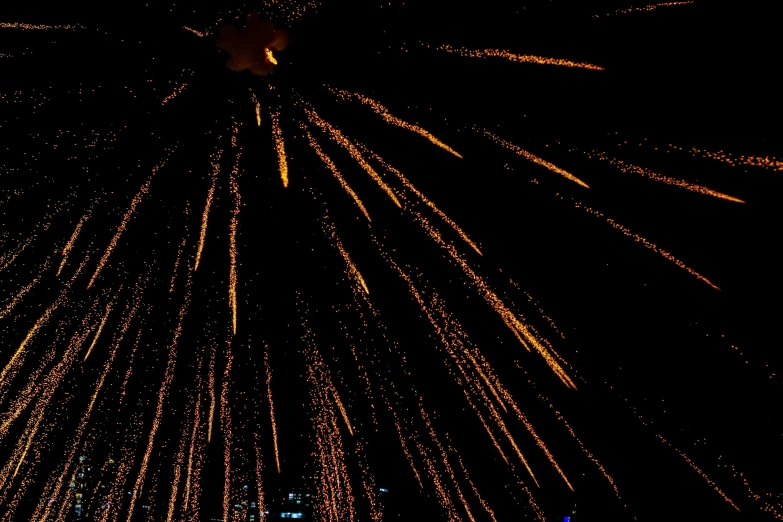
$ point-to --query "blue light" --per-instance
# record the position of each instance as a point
(567, 519)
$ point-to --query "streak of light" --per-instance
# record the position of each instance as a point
(38, 27)
(425, 200)
(13, 363)
(337, 136)
(207, 206)
(342, 409)
(210, 420)
(336, 173)
(124, 224)
(700, 472)
(192, 446)
(98, 332)
(200, 34)
(225, 428)
(234, 225)
(177, 90)
(268, 372)
(646, 243)
(520, 58)
(764, 162)
(641, 171)
(645, 8)
(535, 159)
(71, 241)
(389, 118)
(475, 491)
(168, 376)
(277, 133)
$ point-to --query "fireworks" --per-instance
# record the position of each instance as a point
(168, 364)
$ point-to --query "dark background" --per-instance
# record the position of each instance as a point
(653, 351)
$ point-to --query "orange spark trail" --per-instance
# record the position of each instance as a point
(211, 394)
(193, 433)
(277, 133)
(634, 169)
(124, 224)
(200, 34)
(700, 472)
(270, 57)
(389, 118)
(168, 376)
(40, 27)
(475, 491)
(764, 162)
(98, 333)
(232, 284)
(535, 159)
(177, 90)
(424, 199)
(205, 215)
(71, 241)
(644, 241)
(14, 362)
(333, 168)
(225, 426)
(645, 8)
(520, 58)
(271, 407)
(337, 136)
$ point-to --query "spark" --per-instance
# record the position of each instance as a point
(174, 94)
(143, 191)
(268, 371)
(645, 8)
(336, 173)
(388, 117)
(277, 132)
(98, 332)
(225, 425)
(207, 205)
(646, 243)
(200, 34)
(232, 284)
(535, 159)
(168, 376)
(763, 162)
(38, 27)
(629, 168)
(520, 58)
(700, 472)
(337, 136)
(71, 241)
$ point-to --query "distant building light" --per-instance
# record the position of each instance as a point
(291, 514)
(383, 490)
(567, 519)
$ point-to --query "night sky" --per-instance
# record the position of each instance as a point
(128, 151)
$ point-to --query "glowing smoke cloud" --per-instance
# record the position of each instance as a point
(251, 48)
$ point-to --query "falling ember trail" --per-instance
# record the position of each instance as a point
(389, 118)
(520, 58)
(764, 162)
(535, 159)
(124, 224)
(28, 27)
(232, 286)
(200, 34)
(98, 332)
(645, 8)
(177, 90)
(271, 407)
(647, 243)
(71, 241)
(337, 136)
(336, 173)
(700, 472)
(635, 169)
(207, 205)
(277, 132)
